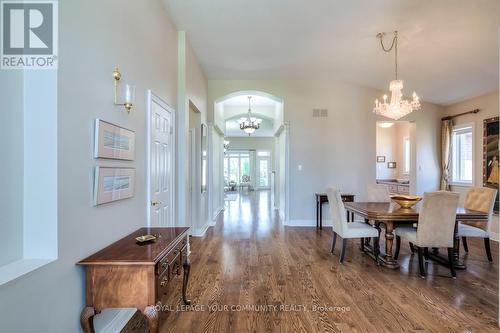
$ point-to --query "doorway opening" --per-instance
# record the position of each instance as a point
(396, 156)
(255, 162)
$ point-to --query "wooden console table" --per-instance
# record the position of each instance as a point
(127, 274)
(322, 198)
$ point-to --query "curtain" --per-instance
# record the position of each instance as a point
(446, 129)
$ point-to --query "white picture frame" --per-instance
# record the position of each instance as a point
(113, 142)
(113, 184)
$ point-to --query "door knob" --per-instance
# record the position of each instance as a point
(155, 202)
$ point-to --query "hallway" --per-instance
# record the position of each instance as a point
(249, 258)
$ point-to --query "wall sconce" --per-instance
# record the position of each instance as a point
(128, 91)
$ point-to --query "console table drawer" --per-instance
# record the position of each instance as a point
(170, 257)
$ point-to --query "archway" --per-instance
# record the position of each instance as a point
(264, 153)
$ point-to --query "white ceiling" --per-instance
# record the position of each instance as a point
(242, 101)
(448, 48)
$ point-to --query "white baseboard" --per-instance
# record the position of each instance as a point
(307, 223)
(199, 232)
(328, 223)
(216, 214)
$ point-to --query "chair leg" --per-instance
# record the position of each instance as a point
(362, 246)
(342, 254)
(488, 249)
(421, 261)
(464, 241)
(412, 247)
(450, 262)
(334, 240)
(426, 253)
(398, 245)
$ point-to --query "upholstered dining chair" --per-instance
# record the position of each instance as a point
(435, 228)
(378, 193)
(481, 199)
(340, 225)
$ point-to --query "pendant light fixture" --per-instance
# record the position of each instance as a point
(249, 124)
(397, 107)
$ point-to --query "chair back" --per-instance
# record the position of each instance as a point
(481, 199)
(337, 209)
(436, 221)
(378, 193)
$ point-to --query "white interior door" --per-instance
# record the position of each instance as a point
(161, 164)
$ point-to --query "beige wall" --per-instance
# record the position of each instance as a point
(339, 150)
(386, 146)
(95, 36)
(11, 177)
(489, 106)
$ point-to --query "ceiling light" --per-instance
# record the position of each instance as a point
(249, 124)
(397, 107)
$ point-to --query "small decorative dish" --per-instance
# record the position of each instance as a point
(406, 201)
(145, 238)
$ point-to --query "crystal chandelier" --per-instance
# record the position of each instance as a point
(249, 124)
(397, 107)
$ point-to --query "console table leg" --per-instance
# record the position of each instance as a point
(187, 268)
(87, 319)
(151, 312)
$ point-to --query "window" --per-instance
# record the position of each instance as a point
(236, 166)
(406, 154)
(461, 155)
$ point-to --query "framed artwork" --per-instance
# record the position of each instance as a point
(391, 165)
(113, 142)
(204, 155)
(112, 184)
(490, 155)
(380, 159)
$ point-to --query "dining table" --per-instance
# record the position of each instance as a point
(390, 215)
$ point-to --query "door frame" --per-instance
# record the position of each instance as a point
(152, 97)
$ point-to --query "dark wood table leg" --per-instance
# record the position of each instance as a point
(87, 319)
(388, 260)
(187, 267)
(151, 313)
(317, 212)
(320, 215)
(456, 250)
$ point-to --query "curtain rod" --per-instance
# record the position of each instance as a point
(460, 114)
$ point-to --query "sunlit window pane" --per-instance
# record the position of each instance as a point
(462, 155)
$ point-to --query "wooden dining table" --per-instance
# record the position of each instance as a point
(391, 215)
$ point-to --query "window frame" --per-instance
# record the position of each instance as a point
(406, 151)
(456, 128)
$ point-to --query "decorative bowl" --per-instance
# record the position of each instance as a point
(406, 201)
(145, 238)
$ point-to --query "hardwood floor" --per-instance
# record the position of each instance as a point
(250, 258)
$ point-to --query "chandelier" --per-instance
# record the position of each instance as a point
(249, 124)
(397, 107)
